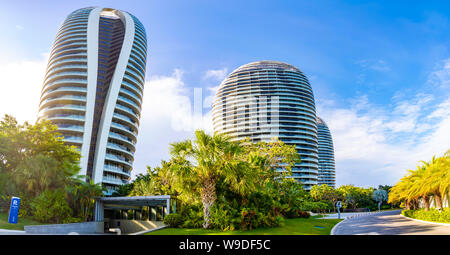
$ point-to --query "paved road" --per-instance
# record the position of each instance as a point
(388, 223)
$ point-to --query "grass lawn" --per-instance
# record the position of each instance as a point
(299, 226)
(23, 221)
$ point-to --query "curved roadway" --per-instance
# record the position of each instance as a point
(388, 223)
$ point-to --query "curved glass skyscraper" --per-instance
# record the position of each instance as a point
(267, 99)
(93, 89)
(327, 172)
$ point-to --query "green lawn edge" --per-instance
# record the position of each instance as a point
(299, 226)
(21, 222)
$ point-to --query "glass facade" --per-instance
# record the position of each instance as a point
(93, 89)
(267, 99)
(327, 171)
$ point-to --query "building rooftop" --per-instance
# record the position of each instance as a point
(267, 64)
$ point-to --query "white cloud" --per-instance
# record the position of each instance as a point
(442, 111)
(170, 112)
(217, 75)
(21, 87)
(441, 76)
(407, 114)
(167, 98)
(376, 146)
(376, 65)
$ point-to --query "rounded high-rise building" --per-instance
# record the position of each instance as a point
(93, 90)
(327, 171)
(267, 99)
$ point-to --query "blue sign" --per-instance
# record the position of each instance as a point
(14, 210)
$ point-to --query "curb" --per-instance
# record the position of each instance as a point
(358, 215)
(12, 231)
(334, 228)
(147, 231)
(427, 222)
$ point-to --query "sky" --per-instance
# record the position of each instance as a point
(380, 70)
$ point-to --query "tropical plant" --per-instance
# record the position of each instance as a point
(82, 196)
(430, 179)
(173, 220)
(33, 159)
(51, 207)
(275, 159)
(326, 193)
(380, 196)
(356, 197)
(200, 163)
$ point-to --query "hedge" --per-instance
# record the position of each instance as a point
(432, 215)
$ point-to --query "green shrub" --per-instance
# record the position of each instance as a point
(51, 207)
(319, 207)
(257, 211)
(407, 213)
(173, 220)
(225, 217)
(192, 216)
(432, 215)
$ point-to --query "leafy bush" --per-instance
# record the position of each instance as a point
(256, 210)
(225, 215)
(319, 207)
(192, 216)
(173, 220)
(51, 207)
(431, 215)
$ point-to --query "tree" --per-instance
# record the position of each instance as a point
(400, 192)
(356, 197)
(380, 196)
(432, 178)
(36, 174)
(275, 158)
(33, 158)
(326, 193)
(82, 195)
(444, 184)
(198, 164)
(429, 179)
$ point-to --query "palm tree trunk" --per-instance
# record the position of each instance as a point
(438, 199)
(208, 199)
(416, 204)
(426, 201)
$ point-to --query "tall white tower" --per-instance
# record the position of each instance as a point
(93, 90)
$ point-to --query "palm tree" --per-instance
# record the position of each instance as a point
(89, 191)
(432, 179)
(418, 188)
(401, 191)
(82, 194)
(444, 185)
(199, 163)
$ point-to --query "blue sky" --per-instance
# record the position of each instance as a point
(380, 70)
